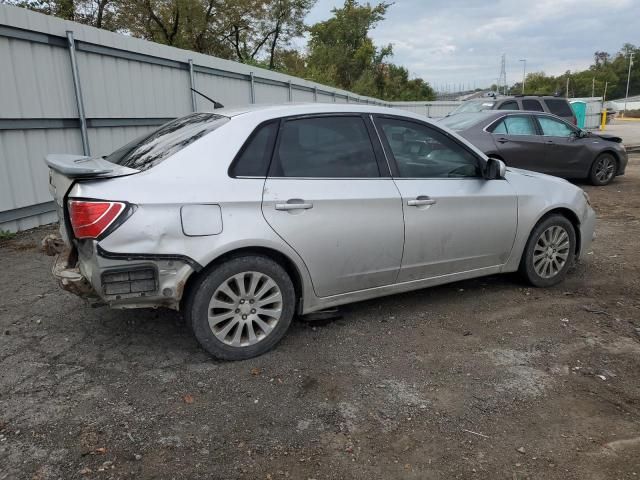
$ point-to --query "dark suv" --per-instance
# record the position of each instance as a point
(535, 103)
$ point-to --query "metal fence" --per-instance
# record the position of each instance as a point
(70, 88)
(437, 109)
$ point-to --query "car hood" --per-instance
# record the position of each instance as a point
(528, 173)
(610, 138)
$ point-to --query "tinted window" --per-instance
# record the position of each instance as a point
(423, 152)
(151, 149)
(325, 147)
(559, 107)
(253, 160)
(533, 105)
(554, 128)
(511, 105)
(513, 125)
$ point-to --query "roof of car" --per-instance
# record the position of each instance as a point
(288, 109)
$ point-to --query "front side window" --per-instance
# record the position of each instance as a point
(515, 125)
(423, 152)
(533, 105)
(511, 105)
(554, 128)
(329, 147)
(153, 148)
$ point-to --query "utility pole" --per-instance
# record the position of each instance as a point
(628, 78)
(524, 70)
(567, 95)
(593, 87)
(604, 95)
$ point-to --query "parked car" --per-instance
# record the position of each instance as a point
(543, 143)
(242, 218)
(535, 103)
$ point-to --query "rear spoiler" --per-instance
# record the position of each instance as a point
(80, 166)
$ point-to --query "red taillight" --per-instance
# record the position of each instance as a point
(90, 218)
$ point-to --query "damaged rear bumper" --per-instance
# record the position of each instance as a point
(122, 280)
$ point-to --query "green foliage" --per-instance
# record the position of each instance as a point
(606, 69)
(6, 235)
(340, 52)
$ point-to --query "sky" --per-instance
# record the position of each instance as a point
(453, 42)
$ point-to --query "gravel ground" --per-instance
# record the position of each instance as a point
(480, 379)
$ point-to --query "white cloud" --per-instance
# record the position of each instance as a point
(461, 41)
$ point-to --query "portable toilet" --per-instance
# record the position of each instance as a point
(580, 111)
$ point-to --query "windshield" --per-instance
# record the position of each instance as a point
(153, 148)
(474, 106)
(462, 121)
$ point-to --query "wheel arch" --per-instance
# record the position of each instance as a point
(569, 215)
(283, 260)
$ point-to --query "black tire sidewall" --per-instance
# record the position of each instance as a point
(592, 173)
(198, 305)
(527, 260)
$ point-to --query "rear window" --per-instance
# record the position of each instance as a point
(474, 106)
(153, 148)
(462, 121)
(559, 107)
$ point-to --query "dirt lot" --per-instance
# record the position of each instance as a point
(481, 379)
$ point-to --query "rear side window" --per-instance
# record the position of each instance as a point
(533, 105)
(151, 149)
(327, 147)
(515, 125)
(511, 105)
(559, 107)
(253, 159)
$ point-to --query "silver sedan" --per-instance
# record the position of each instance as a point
(243, 218)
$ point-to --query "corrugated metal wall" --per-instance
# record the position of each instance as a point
(128, 87)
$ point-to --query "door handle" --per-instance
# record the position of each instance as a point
(550, 142)
(503, 140)
(421, 200)
(294, 204)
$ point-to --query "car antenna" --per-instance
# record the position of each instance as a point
(215, 104)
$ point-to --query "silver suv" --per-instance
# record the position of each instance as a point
(243, 218)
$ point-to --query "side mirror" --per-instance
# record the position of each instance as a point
(495, 169)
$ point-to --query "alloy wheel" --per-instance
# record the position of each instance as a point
(245, 309)
(551, 251)
(605, 169)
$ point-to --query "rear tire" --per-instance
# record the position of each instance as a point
(241, 308)
(603, 169)
(550, 252)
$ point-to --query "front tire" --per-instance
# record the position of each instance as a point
(549, 252)
(603, 169)
(241, 308)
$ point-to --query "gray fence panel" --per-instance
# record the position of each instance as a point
(35, 81)
(128, 85)
(116, 87)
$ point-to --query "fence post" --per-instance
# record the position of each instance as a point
(192, 82)
(78, 91)
(315, 94)
(253, 88)
(290, 92)
(334, 97)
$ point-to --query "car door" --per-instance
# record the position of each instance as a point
(455, 220)
(518, 142)
(565, 153)
(327, 196)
